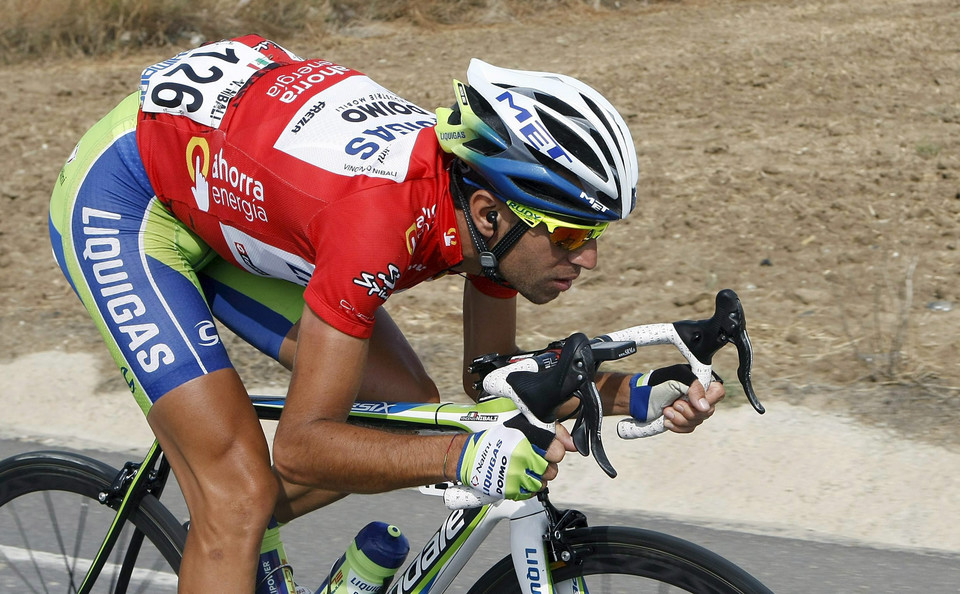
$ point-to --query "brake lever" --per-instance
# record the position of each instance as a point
(728, 325)
(593, 430)
(539, 382)
(590, 415)
(697, 341)
(586, 431)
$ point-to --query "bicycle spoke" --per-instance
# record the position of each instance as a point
(29, 549)
(48, 501)
(13, 567)
(81, 531)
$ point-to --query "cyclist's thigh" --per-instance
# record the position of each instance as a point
(132, 263)
(260, 310)
(264, 312)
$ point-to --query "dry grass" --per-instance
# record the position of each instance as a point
(880, 332)
(55, 28)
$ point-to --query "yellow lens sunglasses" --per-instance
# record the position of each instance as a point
(563, 234)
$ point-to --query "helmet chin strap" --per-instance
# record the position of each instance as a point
(489, 257)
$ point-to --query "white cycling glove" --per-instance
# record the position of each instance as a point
(655, 390)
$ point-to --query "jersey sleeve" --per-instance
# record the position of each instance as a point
(361, 260)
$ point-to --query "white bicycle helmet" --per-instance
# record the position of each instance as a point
(544, 140)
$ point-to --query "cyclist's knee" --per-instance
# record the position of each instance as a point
(428, 391)
(236, 508)
(418, 388)
(256, 494)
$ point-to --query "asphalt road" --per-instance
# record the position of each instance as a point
(786, 565)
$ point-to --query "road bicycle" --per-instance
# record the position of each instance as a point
(105, 530)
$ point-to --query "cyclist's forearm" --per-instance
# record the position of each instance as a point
(614, 396)
(489, 326)
(334, 455)
(614, 392)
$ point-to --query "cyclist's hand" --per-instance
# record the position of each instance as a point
(675, 393)
(509, 461)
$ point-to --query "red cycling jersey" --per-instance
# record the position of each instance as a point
(302, 170)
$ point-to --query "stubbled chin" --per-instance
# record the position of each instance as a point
(541, 297)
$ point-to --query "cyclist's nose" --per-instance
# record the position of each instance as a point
(585, 256)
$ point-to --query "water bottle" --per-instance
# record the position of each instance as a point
(370, 562)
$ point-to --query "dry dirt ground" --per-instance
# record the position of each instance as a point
(804, 153)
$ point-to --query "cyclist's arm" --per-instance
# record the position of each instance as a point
(315, 447)
(489, 326)
(394, 372)
(313, 444)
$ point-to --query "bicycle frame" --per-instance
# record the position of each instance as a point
(444, 555)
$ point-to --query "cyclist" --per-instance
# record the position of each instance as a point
(288, 199)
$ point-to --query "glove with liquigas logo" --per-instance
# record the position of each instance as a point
(507, 461)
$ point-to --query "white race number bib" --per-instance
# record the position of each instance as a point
(199, 83)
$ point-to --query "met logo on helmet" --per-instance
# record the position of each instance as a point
(594, 203)
(535, 132)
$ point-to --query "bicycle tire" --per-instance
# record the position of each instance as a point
(43, 552)
(632, 560)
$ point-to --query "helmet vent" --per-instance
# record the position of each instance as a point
(606, 123)
(483, 146)
(455, 118)
(571, 142)
(486, 113)
(561, 107)
(603, 148)
(538, 190)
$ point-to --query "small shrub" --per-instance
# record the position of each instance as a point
(54, 28)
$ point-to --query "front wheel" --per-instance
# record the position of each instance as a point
(52, 525)
(612, 559)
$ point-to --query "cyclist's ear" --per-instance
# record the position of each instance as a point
(484, 209)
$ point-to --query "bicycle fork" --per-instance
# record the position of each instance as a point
(132, 483)
(536, 544)
(527, 547)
